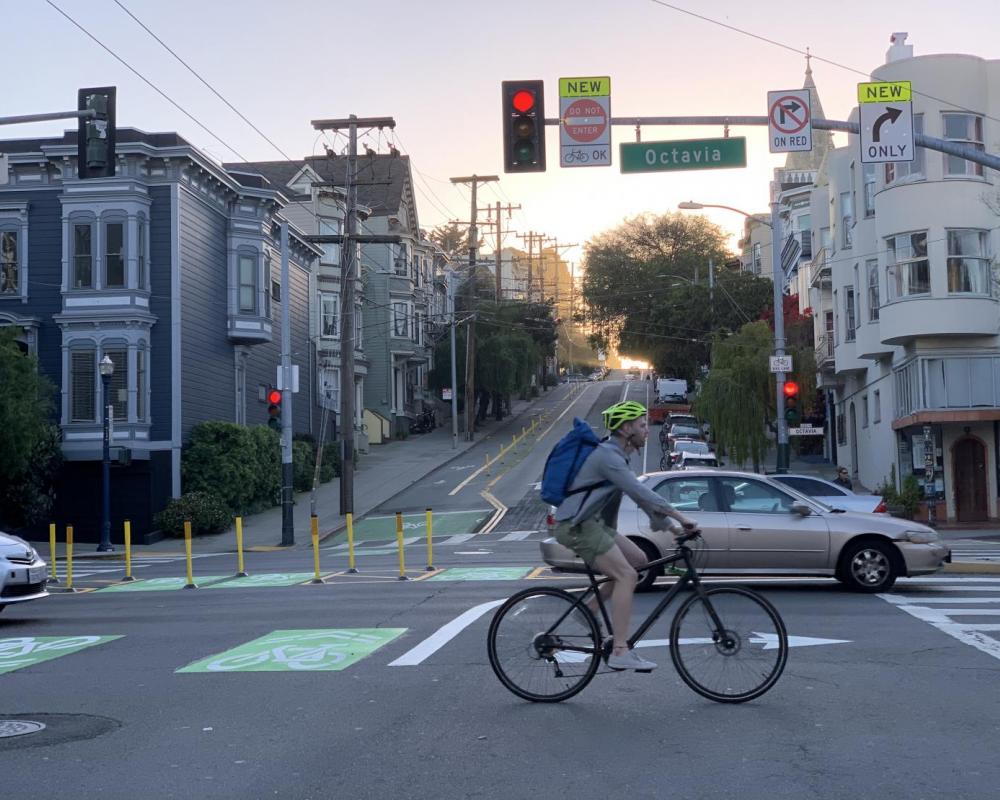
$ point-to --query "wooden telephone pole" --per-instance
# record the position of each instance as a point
(510, 209)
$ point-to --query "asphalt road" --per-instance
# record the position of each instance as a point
(899, 701)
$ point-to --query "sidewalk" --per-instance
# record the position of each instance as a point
(384, 472)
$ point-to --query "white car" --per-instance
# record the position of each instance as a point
(690, 460)
(832, 494)
(22, 571)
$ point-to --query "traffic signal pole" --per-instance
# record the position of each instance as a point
(777, 278)
(287, 518)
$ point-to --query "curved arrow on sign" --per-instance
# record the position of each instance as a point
(891, 115)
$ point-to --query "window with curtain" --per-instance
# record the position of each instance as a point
(8, 262)
(140, 384)
(968, 262)
(871, 267)
(141, 254)
(82, 374)
(963, 129)
(400, 319)
(329, 226)
(869, 193)
(83, 257)
(846, 218)
(114, 255)
(908, 268)
(330, 310)
(850, 317)
(248, 284)
(118, 385)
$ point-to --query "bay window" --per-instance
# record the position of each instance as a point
(8, 263)
(968, 262)
(83, 256)
(247, 284)
(908, 269)
(330, 312)
(82, 377)
(114, 255)
(963, 129)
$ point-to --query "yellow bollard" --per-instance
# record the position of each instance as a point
(315, 542)
(128, 552)
(399, 545)
(240, 571)
(430, 541)
(187, 555)
(69, 558)
(53, 565)
(350, 544)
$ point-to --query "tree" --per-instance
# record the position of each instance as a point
(736, 396)
(453, 239)
(30, 452)
(646, 289)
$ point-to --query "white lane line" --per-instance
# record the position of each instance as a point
(458, 538)
(903, 599)
(443, 635)
(955, 580)
(516, 536)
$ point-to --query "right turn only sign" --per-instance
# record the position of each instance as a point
(885, 117)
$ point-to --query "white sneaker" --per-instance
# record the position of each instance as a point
(630, 660)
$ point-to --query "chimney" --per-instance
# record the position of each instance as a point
(898, 49)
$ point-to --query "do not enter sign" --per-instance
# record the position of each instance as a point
(585, 122)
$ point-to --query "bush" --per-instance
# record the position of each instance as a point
(222, 459)
(267, 467)
(30, 494)
(909, 497)
(303, 465)
(330, 468)
(205, 511)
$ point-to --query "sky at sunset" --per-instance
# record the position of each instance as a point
(436, 66)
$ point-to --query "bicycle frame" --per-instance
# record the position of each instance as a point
(690, 577)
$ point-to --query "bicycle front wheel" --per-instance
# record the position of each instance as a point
(543, 648)
(729, 644)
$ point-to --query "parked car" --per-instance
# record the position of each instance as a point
(679, 431)
(671, 390)
(684, 446)
(752, 525)
(697, 460)
(832, 494)
(22, 571)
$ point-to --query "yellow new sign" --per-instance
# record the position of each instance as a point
(886, 92)
(584, 87)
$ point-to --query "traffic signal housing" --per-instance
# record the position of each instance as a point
(793, 414)
(95, 136)
(523, 126)
(274, 409)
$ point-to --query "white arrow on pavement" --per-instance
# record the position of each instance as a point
(769, 640)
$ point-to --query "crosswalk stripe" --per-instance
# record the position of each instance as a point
(458, 538)
(516, 536)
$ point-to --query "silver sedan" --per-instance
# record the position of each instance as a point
(752, 526)
(22, 571)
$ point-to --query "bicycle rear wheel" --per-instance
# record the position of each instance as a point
(733, 655)
(541, 647)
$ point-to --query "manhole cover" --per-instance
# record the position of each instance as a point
(19, 727)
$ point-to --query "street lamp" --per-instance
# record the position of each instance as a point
(779, 312)
(107, 368)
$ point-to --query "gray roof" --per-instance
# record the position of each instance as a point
(383, 179)
(122, 136)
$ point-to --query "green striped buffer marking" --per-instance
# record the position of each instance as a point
(481, 574)
(162, 584)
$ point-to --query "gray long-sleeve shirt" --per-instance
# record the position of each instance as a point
(608, 462)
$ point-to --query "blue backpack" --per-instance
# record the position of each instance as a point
(564, 462)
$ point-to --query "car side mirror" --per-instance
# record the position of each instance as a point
(801, 509)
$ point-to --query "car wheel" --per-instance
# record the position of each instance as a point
(869, 566)
(649, 576)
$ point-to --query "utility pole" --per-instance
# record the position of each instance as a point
(711, 290)
(779, 328)
(348, 280)
(450, 276)
(510, 209)
(287, 518)
(530, 236)
(470, 341)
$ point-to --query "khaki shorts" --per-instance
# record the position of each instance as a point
(588, 539)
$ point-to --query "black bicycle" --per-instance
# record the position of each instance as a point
(727, 643)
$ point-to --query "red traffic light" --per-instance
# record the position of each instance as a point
(523, 101)
(274, 397)
(791, 389)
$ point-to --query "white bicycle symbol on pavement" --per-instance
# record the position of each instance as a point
(319, 656)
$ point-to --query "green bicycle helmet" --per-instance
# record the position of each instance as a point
(615, 415)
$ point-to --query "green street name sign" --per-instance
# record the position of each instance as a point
(683, 154)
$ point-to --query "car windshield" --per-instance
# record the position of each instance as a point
(699, 461)
(684, 430)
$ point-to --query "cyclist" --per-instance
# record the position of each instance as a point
(585, 521)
